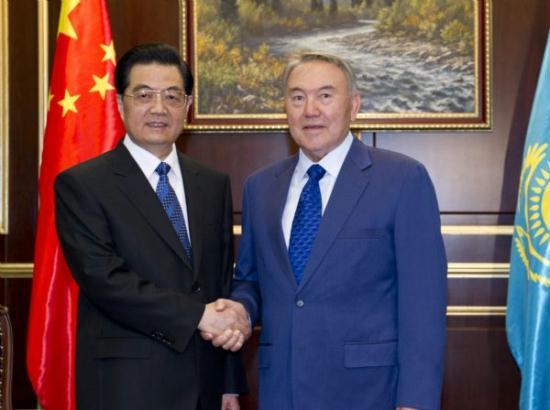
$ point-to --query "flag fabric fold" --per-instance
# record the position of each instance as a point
(82, 122)
(528, 310)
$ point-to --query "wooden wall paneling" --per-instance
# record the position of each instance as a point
(238, 154)
(146, 22)
(524, 75)
(474, 237)
(54, 7)
(19, 291)
(466, 167)
(479, 372)
(477, 248)
(18, 245)
(475, 291)
(23, 130)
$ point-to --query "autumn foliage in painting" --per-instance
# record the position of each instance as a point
(233, 76)
(448, 22)
(239, 73)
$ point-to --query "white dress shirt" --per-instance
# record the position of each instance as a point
(149, 162)
(332, 163)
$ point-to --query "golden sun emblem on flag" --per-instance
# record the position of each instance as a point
(539, 206)
(532, 231)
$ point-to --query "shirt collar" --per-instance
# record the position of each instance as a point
(332, 162)
(149, 162)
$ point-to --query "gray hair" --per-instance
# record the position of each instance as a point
(306, 56)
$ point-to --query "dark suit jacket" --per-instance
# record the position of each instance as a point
(140, 301)
(365, 328)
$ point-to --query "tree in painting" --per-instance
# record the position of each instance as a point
(411, 56)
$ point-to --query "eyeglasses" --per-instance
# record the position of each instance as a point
(170, 97)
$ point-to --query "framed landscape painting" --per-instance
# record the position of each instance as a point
(419, 64)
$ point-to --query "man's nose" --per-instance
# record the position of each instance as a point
(311, 107)
(158, 104)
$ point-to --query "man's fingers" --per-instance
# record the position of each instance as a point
(244, 327)
(207, 335)
(238, 344)
(228, 340)
(222, 338)
(220, 305)
(230, 402)
(234, 342)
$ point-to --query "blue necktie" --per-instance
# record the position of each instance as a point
(169, 201)
(306, 222)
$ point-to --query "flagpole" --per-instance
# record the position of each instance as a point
(43, 64)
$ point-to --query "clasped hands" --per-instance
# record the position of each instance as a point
(226, 324)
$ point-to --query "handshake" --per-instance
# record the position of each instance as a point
(226, 324)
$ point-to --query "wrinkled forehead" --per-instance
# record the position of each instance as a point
(316, 75)
(155, 75)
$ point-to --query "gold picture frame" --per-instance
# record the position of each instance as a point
(237, 62)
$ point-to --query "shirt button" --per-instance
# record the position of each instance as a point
(300, 303)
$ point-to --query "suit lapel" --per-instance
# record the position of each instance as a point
(349, 187)
(135, 187)
(276, 206)
(194, 196)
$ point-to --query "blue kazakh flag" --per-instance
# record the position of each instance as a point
(528, 312)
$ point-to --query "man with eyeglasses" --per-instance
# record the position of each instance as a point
(147, 234)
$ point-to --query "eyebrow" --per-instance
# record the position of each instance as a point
(145, 86)
(323, 88)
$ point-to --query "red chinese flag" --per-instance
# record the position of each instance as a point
(83, 122)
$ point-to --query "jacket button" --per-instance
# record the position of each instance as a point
(300, 303)
(196, 288)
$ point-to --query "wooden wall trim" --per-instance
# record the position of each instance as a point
(476, 310)
(16, 270)
(505, 230)
(478, 270)
(4, 117)
(477, 229)
(456, 270)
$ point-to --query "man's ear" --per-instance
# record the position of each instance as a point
(120, 106)
(355, 105)
(188, 103)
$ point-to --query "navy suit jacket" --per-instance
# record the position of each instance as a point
(365, 328)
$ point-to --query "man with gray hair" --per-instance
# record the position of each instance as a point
(342, 261)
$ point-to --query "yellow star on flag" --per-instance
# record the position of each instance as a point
(109, 52)
(65, 25)
(68, 103)
(102, 85)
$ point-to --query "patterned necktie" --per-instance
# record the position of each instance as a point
(169, 201)
(306, 222)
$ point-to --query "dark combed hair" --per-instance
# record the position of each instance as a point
(154, 53)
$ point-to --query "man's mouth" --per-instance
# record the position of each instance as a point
(157, 124)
